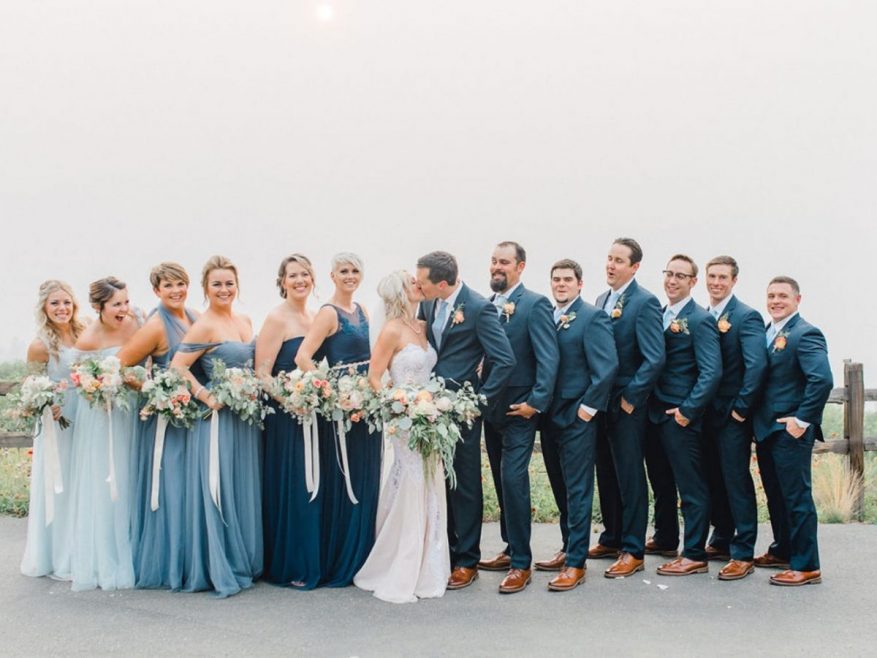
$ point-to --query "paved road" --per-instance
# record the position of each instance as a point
(697, 615)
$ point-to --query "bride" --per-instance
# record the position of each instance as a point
(410, 557)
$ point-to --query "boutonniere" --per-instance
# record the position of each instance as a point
(618, 309)
(679, 326)
(508, 310)
(458, 317)
(565, 320)
(780, 342)
(724, 324)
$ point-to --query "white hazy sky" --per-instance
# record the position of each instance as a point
(134, 131)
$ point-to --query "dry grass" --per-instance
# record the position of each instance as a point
(836, 489)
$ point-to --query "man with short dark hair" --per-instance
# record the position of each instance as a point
(586, 372)
(727, 429)
(786, 423)
(512, 416)
(464, 329)
(635, 314)
(674, 459)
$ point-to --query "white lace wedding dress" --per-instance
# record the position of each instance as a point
(410, 559)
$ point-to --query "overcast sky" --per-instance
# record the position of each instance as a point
(138, 131)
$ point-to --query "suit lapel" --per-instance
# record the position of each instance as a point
(462, 298)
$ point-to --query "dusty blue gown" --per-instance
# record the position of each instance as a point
(226, 550)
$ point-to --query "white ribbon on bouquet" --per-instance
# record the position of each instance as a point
(157, 453)
(111, 478)
(53, 482)
(311, 438)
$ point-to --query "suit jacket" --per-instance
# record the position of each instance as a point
(638, 341)
(533, 338)
(693, 369)
(588, 363)
(744, 359)
(464, 345)
(798, 382)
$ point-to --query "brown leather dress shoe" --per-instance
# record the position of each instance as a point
(770, 561)
(515, 581)
(625, 565)
(600, 552)
(554, 564)
(789, 578)
(682, 566)
(713, 553)
(568, 579)
(501, 562)
(651, 548)
(735, 570)
(462, 577)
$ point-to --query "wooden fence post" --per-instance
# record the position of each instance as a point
(854, 427)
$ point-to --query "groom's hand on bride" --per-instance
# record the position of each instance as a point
(523, 409)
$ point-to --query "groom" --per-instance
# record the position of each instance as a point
(464, 329)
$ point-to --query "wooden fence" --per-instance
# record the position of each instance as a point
(854, 443)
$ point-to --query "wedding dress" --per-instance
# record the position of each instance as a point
(410, 558)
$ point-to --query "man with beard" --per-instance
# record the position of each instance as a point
(510, 424)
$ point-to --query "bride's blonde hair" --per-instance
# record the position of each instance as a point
(46, 329)
(393, 290)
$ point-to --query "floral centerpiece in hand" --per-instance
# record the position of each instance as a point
(99, 381)
(303, 394)
(357, 400)
(167, 394)
(38, 393)
(239, 390)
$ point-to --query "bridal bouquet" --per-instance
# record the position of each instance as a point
(241, 392)
(38, 393)
(303, 394)
(167, 394)
(356, 400)
(100, 382)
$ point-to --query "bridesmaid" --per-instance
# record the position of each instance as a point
(340, 329)
(101, 542)
(49, 524)
(157, 537)
(226, 546)
(291, 520)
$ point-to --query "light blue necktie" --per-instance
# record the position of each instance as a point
(438, 324)
(771, 334)
(499, 301)
(668, 317)
(557, 314)
(611, 300)
(715, 313)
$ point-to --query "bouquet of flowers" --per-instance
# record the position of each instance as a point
(167, 394)
(430, 417)
(356, 400)
(99, 381)
(135, 376)
(38, 393)
(303, 394)
(240, 390)
(467, 404)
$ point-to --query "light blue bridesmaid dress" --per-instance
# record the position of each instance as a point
(158, 536)
(101, 526)
(226, 547)
(48, 548)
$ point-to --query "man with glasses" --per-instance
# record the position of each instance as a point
(690, 378)
(635, 314)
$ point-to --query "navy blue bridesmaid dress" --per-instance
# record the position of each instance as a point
(348, 529)
(291, 520)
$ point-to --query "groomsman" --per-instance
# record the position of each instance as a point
(686, 386)
(727, 429)
(464, 329)
(786, 423)
(511, 420)
(635, 314)
(587, 368)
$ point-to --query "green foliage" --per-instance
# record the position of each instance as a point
(14, 480)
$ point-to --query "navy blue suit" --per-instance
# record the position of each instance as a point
(586, 372)
(727, 442)
(798, 384)
(509, 439)
(462, 348)
(690, 379)
(621, 480)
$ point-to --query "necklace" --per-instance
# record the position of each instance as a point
(417, 330)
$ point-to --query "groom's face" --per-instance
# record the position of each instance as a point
(429, 289)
